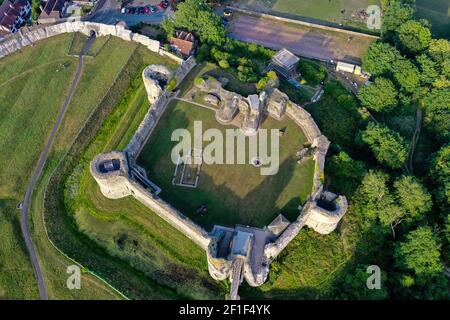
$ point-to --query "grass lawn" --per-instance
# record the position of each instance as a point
(34, 85)
(77, 43)
(438, 13)
(306, 269)
(234, 193)
(131, 114)
(326, 10)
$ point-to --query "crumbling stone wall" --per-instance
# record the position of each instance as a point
(154, 113)
(118, 184)
(146, 126)
(27, 36)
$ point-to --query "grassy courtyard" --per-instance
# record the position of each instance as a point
(235, 194)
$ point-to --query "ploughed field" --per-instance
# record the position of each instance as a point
(233, 193)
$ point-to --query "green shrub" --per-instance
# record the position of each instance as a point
(224, 64)
(172, 84)
(199, 81)
(312, 72)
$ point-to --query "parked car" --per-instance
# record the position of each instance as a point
(132, 11)
(163, 4)
(152, 9)
(227, 12)
(147, 9)
(225, 21)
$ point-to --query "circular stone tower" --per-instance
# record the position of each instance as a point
(155, 79)
(110, 170)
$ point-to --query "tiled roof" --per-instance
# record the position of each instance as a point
(184, 41)
(9, 11)
(53, 8)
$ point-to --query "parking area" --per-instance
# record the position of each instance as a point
(132, 12)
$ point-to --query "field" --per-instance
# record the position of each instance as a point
(33, 86)
(234, 193)
(333, 11)
(438, 13)
(28, 111)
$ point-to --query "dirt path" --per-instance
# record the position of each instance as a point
(31, 70)
(414, 140)
(38, 170)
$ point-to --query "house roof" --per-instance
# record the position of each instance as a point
(286, 58)
(184, 41)
(9, 11)
(53, 7)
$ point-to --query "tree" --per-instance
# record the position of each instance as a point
(428, 69)
(354, 286)
(373, 194)
(406, 75)
(169, 27)
(346, 173)
(447, 229)
(386, 144)
(412, 196)
(195, 16)
(414, 37)
(224, 64)
(394, 16)
(380, 96)
(439, 50)
(440, 172)
(419, 253)
(437, 112)
(312, 72)
(35, 9)
(441, 82)
(379, 58)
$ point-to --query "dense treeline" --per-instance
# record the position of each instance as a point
(401, 189)
(390, 152)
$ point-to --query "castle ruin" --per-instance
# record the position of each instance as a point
(234, 253)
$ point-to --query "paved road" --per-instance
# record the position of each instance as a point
(301, 40)
(108, 12)
(37, 173)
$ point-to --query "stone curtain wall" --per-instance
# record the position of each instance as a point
(118, 184)
(154, 113)
(171, 215)
(304, 120)
(312, 132)
(25, 38)
(146, 127)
